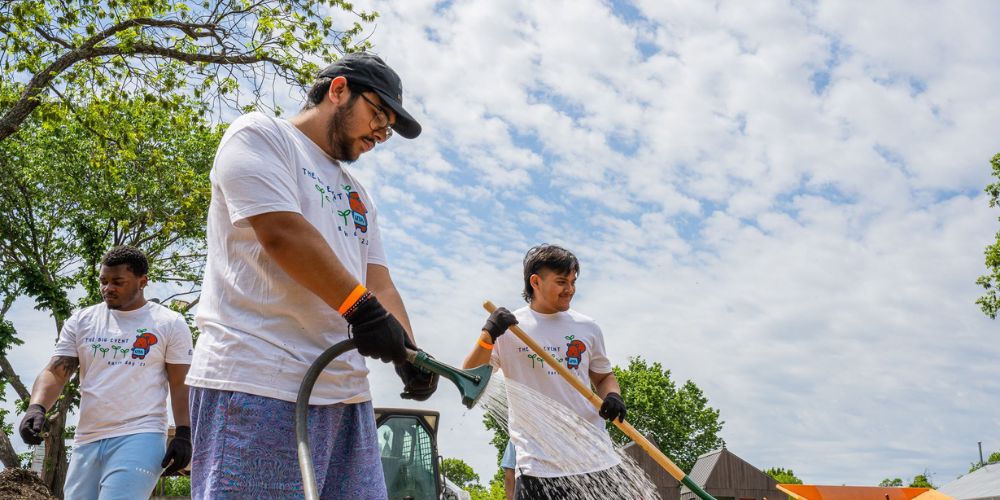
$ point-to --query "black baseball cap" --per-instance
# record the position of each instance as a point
(369, 70)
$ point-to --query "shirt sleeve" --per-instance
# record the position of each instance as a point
(254, 172)
(180, 348)
(376, 252)
(599, 362)
(66, 346)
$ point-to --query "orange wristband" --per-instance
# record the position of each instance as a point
(352, 298)
(484, 345)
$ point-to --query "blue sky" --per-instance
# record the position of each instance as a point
(780, 201)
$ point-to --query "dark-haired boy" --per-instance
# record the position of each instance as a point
(550, 274)
(130, 351)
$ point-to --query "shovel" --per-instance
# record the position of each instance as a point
(595, 400)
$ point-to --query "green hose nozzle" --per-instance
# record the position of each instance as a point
(470, 383)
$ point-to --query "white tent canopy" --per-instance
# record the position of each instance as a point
(983, 484)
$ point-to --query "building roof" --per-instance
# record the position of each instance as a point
(703, 468)
(822, 492)
(981, 484)
(722, 473)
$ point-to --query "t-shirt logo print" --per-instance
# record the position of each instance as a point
(574, 351)
(144, 341)
(358, 210)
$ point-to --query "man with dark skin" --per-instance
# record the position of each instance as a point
(295, 265)
(120, 443)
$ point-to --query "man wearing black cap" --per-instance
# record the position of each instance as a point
(296, 264)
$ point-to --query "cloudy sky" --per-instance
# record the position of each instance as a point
(780, 201)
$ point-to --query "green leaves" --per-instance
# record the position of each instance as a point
(679, 419)
(77, 179)
(921, 481)
(167, 48)
(989, 302)
(993, 458)
(783, 476)
(459, 472)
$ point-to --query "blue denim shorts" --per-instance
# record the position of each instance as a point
(244, 447)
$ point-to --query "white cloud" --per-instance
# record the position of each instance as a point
(799, 254)
(804, 251)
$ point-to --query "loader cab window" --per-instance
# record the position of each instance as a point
(407, 458)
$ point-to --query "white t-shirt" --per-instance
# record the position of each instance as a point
(576, 341)
(260, 329)
(123, 374)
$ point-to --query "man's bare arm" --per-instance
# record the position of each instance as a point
(50, 382)
(300, 250)
(479, 355)
(605, 383)
(178, 393)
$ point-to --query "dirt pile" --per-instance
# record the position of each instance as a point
(22, 484)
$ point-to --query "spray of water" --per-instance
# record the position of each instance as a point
(578, 447)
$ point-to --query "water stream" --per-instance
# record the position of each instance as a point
(575, 444)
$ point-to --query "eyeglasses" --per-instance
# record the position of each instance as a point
(381, 119)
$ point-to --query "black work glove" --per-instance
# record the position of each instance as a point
(376, 332)
(32, 424)
(418, 384)
(613, 407)
(498, 323)
(178, 454)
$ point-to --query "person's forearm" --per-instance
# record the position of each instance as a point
(50, 382)
(608, 385)
(179, 404)
(176, 373)
(300, 250)
(479, 355)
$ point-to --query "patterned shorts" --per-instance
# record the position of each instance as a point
(244, 447)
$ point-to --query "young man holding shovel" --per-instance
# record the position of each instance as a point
(550, 274)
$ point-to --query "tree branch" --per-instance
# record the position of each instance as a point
(7, 372)
(8, 455)
(29, 100)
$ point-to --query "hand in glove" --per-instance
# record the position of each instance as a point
(376, 332)
(613, 407)
(499, 321)
(32, 424)
(178, 454)
(418, 384)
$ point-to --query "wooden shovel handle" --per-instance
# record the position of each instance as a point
(594, 399)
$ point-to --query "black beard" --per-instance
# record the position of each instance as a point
(340, 143)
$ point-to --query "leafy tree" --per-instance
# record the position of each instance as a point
(500, 435)
(891, 483)
(177, 486)
(494, 492)
(993, 458)
(462, 474)
(459, 472)
(990, 301)
(108, 172)
(921, 481)
(164, 49)
(783, 476)
(679, 419)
